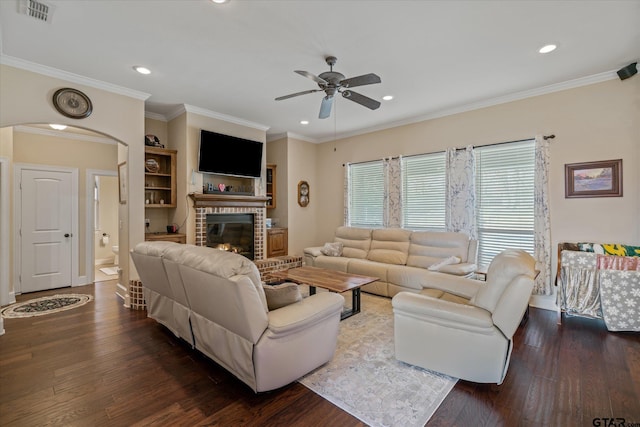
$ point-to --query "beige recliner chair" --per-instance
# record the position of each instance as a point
(467, 335)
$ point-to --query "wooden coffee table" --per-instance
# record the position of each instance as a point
(334, 281)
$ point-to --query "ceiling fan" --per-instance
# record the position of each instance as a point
(332, 82)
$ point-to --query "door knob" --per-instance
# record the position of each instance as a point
(67, 234)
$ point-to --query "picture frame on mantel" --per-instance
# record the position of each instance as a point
(593, 179)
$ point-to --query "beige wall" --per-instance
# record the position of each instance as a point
(59, 151)
(303, 221)
(595, 122)
(26, 99)
(277, 154)
(108, 216)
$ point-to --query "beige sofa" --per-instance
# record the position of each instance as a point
(466, 335)
(215, 301)
(399, 258)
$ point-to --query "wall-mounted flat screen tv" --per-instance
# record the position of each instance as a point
(229, 155)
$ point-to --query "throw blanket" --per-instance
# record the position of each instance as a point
(601, 286)
(610, 249)
(608, 262)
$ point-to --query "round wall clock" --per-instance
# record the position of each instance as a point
(72, 103)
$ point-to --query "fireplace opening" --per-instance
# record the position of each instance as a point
(231, 232)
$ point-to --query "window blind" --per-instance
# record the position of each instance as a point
(366, 194)
(423, 192)
(504, 198)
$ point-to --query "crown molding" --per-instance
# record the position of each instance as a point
(517, 96)
(63, 134)
(155, 116)
(71, 77)
(224, 117)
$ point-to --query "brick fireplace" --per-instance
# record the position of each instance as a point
(232, 204)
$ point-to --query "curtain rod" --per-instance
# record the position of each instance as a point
(545, 137)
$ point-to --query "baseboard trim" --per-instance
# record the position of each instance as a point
(105, 261)
(121, 291)
(544, 302)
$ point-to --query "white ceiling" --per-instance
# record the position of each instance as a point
(234, 59)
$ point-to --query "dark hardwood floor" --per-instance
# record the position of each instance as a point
(104, 365)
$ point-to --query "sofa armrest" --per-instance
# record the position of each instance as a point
(301, 315)
(444, 313)
(313, 251)
(461, 269)
(457, 285)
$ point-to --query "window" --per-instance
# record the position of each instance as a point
(366, 194)
(504, 198)
(423, 192)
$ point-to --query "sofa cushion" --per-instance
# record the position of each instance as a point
(356, 241)
(430, 247)
(332, 249)
(336, 263)
(282, 295)
(369, 268)
(389, 246)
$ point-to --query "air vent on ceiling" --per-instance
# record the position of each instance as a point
(37, 10)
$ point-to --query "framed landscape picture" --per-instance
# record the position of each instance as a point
(593, 179)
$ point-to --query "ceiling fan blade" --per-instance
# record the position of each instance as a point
(312, 77)
(366, 79)
(280, 98)
(372, 104)
(325, 107)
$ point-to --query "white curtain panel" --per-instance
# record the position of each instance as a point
(393, 192)
(542, 226)
(347, 170)
(460, 191)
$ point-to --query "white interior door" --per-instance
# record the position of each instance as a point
(46, 226)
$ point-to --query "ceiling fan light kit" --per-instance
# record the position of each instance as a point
(332, 82)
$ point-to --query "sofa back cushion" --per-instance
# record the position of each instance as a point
(430, 247)
(219, 263)
(356, 241)
(503, 271)
(389, 246)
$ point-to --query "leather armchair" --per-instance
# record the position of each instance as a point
(467, 334)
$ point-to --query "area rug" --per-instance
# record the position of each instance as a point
(45, 305)
(366, 380)
(110, 271)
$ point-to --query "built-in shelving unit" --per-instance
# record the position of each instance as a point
(160, 177)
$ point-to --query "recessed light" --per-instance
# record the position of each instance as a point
(58, 127)
(142, 70)
(548, 48)
(220, 1)
(387, 97)
(304, 122)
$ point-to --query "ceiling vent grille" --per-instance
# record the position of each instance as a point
(37, 10)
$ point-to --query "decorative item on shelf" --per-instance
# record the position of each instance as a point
(151, 165)
(221, 187)
(152, 141)
(303, 193)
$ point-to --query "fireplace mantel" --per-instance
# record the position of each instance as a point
(227, 200)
